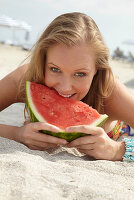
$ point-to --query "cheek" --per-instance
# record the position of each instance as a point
(85, 84)
(48, 79)
(83, 88)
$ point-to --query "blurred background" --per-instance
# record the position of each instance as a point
(114, 19)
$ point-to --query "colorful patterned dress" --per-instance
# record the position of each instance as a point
(120, 129)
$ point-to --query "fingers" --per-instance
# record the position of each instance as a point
(88, 152)
(48, 139)
(45, 126)
(43, 137)
(85, 129)
(41, 145)
(82, 141)
(86, 146)
(32, 138)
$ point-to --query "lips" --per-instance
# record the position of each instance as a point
(65, 95)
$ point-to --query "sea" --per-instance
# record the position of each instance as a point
(118, 31)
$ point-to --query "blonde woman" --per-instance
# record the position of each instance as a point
(72, 58)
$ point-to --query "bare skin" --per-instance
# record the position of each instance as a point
(28, 134)
(120, 105)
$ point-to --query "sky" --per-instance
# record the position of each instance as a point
(113, 17)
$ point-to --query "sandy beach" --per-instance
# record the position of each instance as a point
(61, 173)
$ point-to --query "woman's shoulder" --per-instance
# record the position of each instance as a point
(120, 104)
(120, 93)
(9, 87)
(16, 75)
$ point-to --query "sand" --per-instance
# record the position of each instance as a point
(61, 174)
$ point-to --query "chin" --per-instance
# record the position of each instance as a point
(75, 97)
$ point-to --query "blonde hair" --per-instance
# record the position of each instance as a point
(71, 29)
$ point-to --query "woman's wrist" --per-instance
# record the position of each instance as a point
(10, 132)
(16, 135)
(120, 151)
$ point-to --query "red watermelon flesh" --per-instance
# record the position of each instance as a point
(60, 111)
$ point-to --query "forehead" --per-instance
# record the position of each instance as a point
(75, 56)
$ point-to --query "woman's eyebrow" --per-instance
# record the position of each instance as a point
(83, 68)
(50, 63)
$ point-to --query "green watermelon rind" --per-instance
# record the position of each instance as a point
(67, 136)
(64, 135)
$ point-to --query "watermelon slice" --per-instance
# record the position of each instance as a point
(46, 105)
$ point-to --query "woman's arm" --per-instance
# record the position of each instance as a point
(10, 132)
(9, 87)
(8, 95)
(120, 105)
(28, 134)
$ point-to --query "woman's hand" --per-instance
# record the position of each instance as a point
(97, 143)
(30, 136)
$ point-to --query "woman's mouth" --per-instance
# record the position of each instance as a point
(66, 95)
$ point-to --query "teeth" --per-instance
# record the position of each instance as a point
(65, 95)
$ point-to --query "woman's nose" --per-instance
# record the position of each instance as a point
(65, 85)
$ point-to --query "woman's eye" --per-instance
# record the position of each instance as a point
(80, 74)
(54, 69)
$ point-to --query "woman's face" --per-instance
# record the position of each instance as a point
(70, 71)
